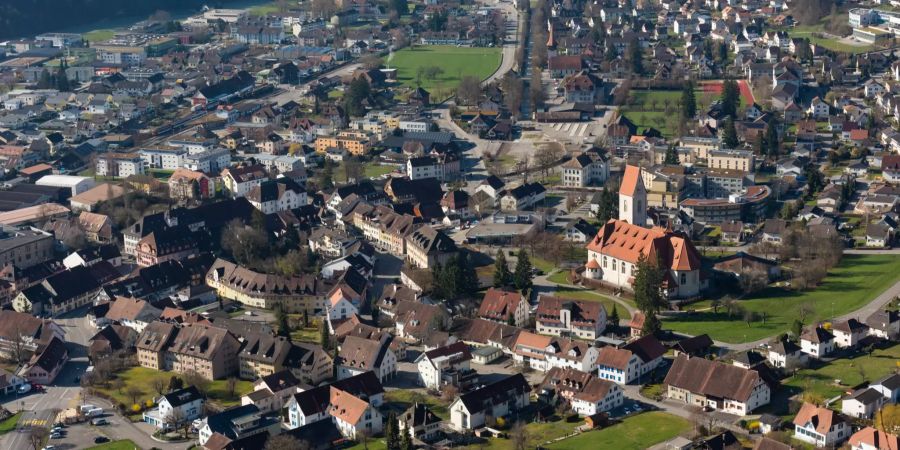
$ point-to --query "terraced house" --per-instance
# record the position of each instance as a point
(723, 387)
(262, 355)
(297, 294)
(383, 227)
(207, 350)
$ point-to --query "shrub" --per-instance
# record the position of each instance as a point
(501, 423)
(136, 407)
(149, 403)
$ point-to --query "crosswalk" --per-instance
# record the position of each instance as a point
(34, 422)
(573, 128)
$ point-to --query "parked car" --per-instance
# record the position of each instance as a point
(101, 439)
(24, 388)
(98, 422)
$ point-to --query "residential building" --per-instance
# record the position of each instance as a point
(351, 404)
(46, 362)
(848, 333)
(508, 307)
(723, 387)
(870, 438)
(820, 426)
(632, 361)
(236, 423)
(863, 403)
(587, 394)
(271, 393)
(787, 355)
(584, 170)
(208, 350)
(296, 294)
(272, 196)
(121, 165)
(817, 342)
(24, 247)
(560, 316)
(884, 324)
(498, 399)
(522, 197)
(175, 409)
(427, 247)
(263, 355)
(238, 181)
(133, 313)
(448, 365)
(422, 424)
(889, 387)
(22, 333)
(743, 160)
(358, 355)
(62, 292)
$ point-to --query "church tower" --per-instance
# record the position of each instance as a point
(633, 197)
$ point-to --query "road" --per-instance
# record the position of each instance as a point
(508, 60)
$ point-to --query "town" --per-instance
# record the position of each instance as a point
(483, 224)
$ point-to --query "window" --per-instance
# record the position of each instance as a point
(683, 278)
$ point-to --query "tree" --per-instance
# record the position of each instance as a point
(406, 443)
(652, 325)
(353, 170)
(729, 134)
(671, 156)
(519, 435)
(159, 385)
(730, 97)
(613, 318)
(512, 88)
(323, 8)
(175, 383)
(231, 385)
(37, 436)
(359, 91)
(192, 378)
(536, 90)
(326, 176)
(772, 145)
(400, 6)
(371, 61)
(636, 57)
(133, 392)
(62, 80)
(608, 206)
(284, 326)
(174, 418)
(797, 328)
(45, 81)
(888, 419)
(469, 90)
(522, 275)
(324, 335)
(392, 432)
(648, 279)
(502, 275)
(688, 101)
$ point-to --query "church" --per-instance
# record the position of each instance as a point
(614, 252)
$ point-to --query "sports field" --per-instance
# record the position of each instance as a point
(454, 63)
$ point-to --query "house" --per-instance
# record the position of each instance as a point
(579, 231)
(774, 230)
(208, 350)
(848, 333)
(889, 387)
(176, 408)
(62, 292)
(884, 324)
(700, 345)
(427, 247)
(545, 352)
(817, 342)
(236, 423)
(820, 426)
(498, 399)
(720, 386)
(732, 232)
(264, 355)
(630, 362)
(9, 383)
(870, 438)
(110, 339)
(560, 316)
(46, 362)
(787, 355)
(351, 404)
(358, 355)
(586, 394)
(522, 197)
(503, 306)
(272, 392)
(21, 334)
(133, 313)
(416, 321)
(422, 424)
(448, 365)
(238, 181)
(863, 404)
(272, 196)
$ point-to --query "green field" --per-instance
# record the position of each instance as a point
(806, 31)
(820, 384)
(98, 35)
(636, 432)
(856, 281)
(9, 424)
(592, 296)
(265, 9)
(142, 378)
(370, 170)
(646, 109)
(116, 445)
(537, 432)
(456, 62)
(401, 399)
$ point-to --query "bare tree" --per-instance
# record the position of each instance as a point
(322, 8)
(353, 169)
(519, 436)
(753, 280)
(231, 384)
(469, 90)
(286, 442)
(805, 310)
(133, 392)
(159, 385)
(371, 61)
(192, 378)
(37, 436)
(174, 418)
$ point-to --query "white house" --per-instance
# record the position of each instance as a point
(176, 408)
(498, 399)
(358, 355)
(558, 316)
(849, 332)
(819, 109)
(873, 439)
(272, 196)
(422, 424)
(889, 387)
(819, 426)
(587, 394)
(445, 365)
(863, 404)
(545, 352)
(625, 365)
(817, 342)
(359, 397)
(787, 355)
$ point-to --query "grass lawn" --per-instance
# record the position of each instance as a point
(374, 444)
(541, 264)
(819, 382)
(142, 378)
(99, 35)
(559, 277)
(115, 445)
(370, 170)
(401, 399)
(456, 62)
(538, 433)
(591, 296)
(9, 424)
(306, 335)
(636, 432)
(857, 280)
(262, 10)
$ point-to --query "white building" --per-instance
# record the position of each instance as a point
(817, 342)
(176, 408)
(723, 387)
(75, 183)
(819, 426)
(632, 361)
(863, 404)
(166, 158)
(442, 366)
(499, 399)
(272, 196)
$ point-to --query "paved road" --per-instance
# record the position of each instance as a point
(509, 44)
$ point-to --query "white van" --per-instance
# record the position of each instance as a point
(94, 412)
(86, 407)
(24, 388)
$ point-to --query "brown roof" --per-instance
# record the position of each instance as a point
(484, 331)
(364, 354)
(125, 308)
(771, 444)
(584, 386)
(628, 242)
(346, 406)
(875, 438)
(712, 378)
(100, 193)
(582, 312)
(15, 324)
(93, 222)
(499, 304)
(156, 336)
(822, 418)
(614, 357)
(37, 168)
(200, 340)
(630, 180)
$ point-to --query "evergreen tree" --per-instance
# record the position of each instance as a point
(326, 177)
(45, 81)
(522, 275)
(648, 279)
(688, 101)
(759, 145)
(62, 80)
(797, 328)
(406, 442)
(284, 327)
(729, 134)
(671, 156)
(358, 92)
(730, 97)
(502, 275)
(636, 57)
(324, 336)
(613, 318)
(470, 283)
(392, 432)
(608, 207)
(772, 144)
(652, 325)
